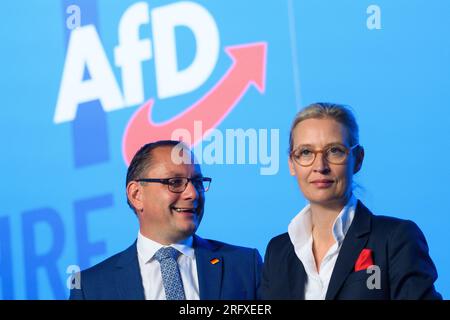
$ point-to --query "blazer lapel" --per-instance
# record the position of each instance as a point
(355, 240)
(209, 273)
(128, 280)
(296, 276)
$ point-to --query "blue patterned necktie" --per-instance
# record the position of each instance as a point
(173, 286)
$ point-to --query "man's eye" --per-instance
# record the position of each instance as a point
(176, 182)
(197, 182)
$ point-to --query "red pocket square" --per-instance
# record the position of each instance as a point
(364, 260)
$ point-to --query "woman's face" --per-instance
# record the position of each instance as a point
(322, 182)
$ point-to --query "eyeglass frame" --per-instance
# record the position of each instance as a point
(166, 182)
(348, 150)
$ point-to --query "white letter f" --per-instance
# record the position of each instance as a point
(131, 51)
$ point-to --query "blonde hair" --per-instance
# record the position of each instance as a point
(323, 110)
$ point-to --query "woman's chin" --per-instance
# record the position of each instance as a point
(326, 200)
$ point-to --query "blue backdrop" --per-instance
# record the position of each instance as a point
(74, 75)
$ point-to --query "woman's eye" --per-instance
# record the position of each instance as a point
(304, 152)
(336, 150)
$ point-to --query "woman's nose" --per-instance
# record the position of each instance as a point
(321, 164)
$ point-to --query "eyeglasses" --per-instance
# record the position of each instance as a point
(335, 154)
(179, 184)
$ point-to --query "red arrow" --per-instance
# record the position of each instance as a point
(249, 67)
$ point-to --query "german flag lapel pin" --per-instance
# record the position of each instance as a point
(214, 261)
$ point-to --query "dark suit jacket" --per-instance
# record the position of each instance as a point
(235, 276)
(398, 247)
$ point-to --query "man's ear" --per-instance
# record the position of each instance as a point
(358, 159)
(134, 194)
(291, 167)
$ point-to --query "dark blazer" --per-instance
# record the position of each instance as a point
(398, 247)
(235, 276)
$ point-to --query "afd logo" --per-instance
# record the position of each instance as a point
(86, 52)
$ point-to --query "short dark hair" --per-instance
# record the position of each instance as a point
(142, 160)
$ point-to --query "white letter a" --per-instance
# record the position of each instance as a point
(86, 50)
(374, 20)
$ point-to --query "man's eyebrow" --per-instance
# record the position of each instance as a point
(179, 175)
(174, 174)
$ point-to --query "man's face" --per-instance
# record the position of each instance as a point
(157, 206)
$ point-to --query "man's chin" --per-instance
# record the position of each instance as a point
(187, 229)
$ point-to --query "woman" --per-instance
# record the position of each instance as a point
(335, 248)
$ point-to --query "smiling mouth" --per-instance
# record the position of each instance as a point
(189, 210)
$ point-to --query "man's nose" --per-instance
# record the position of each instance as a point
(191, 192)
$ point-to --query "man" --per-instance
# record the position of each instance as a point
(165, 188)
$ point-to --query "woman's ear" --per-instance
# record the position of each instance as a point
(134, 194)
(359, 158)
(291, 167)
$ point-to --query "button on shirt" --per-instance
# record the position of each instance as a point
(300, 233)
(151, 270)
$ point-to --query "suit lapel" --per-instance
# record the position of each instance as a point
(296, 275)
(209, 274)
(355, 240)
(128, 280)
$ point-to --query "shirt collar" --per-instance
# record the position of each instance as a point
(344, 220)
(300, 227)
(147, 247)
